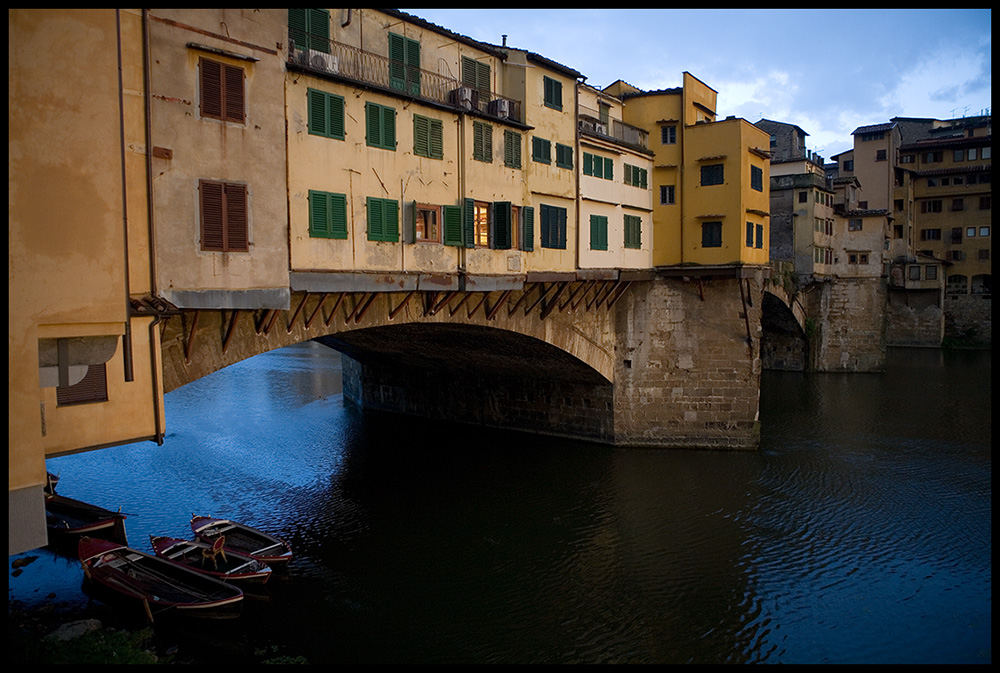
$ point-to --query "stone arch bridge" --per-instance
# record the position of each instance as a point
(639, 359)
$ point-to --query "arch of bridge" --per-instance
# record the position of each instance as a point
(791, 303)
(576, 318)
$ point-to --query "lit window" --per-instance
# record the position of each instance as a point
(482, 224)
(427, 225)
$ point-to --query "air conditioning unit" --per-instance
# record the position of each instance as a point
(322, 61)
(499, 108)
(601, 128)
(464, 97)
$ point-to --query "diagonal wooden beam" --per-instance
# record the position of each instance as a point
(439, 305)
(624, 288)
(298, 309)
(476, 307)
(500, 302)
(333, 311)
(572, 295)
(394, 312)
(524, 293)
(453, 311)
(316, 310)
(229, 331)
(364, 307)
(551, 304)
(190, 340)
(590, 286)
(541, 296)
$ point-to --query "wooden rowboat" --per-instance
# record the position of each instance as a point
(159, 585)
(212, 559)
(242, 539)
(66, 517)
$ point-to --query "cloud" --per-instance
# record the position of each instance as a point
(948, 83)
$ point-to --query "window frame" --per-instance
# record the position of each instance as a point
(552, 226)
(224, 101)
(328, 205)
(228, 209)
(756, 178)
(387, 228)
(713, 175)
(711, 234)
(552, 93)
(511, 149)
(541, 150)
(598, 232)
(380, 115)
(428, 137)
(633, 232)
(331, 122)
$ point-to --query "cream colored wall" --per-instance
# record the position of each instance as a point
(67, 228)
(251, 153)
(871, 239)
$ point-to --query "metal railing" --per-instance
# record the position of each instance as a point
(589, 122)
(374, 69)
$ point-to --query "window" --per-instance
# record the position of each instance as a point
(504, 225)
(760, 237)
(327, 215)
(984, 231)
(930, 272)
(774, 140)
(598, 232)
(481, 224)
(309, 29)
(932, 182)
(564, 156)
(526, 238)
(956, 234)
(957, 255)
(957, 204)
(803, 197)
(855, 224)
(749, 234)
(970, 232)
(599, 167)
(603, 112)
(930, 234)
(756, 178)
(712, 174)
(897, 204)
(482, 142)
(426, 223)
(984, 202)
(914, 272)
(668, 135)
(404, 64)
(512, 149)
(906, 159)
(383, 219)
(553, 226)
(326, 114)
(428, 137)
(933, 157)
(221, 91)
(849, 165)
(667, 195)
(476, 75)
(635, 176)
(711, 234)
(223, 216)
(541, 150)
(863, 205)
(553, 93)
(957, 284)
(971, 154)
(380, 123)
(985, 152)
(633, 231)
(879, 155)
(959, 155)
(93, 387)
(931, 206)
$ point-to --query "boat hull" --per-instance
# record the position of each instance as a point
(243, 539)
(235, 568)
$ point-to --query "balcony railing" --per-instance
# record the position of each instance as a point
(589, 122)
(366, 67)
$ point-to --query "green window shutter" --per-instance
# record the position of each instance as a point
(297, 28)
(527, 228)
(482, 142)
(389, 128)
(588, 163)
(397, 62)
(609, 168)
(512, 149)
(561, 227)
(375, 219)
(633, 231)
(501, 225)
(373, 125)
(413, 67)
(476, 75)
(598, 167)
(436, 139)
(469, 223)
(326, 114)
(598, 232)
(390, 221)
(338, 215)
(421, 136)
(564, 156)
(541, 150)
(552, 94)
(643, 178)
(319, 30)
(452, 216)
(318, 213)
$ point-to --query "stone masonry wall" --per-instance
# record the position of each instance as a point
(850, 324)
(914, 318)
(968, 318)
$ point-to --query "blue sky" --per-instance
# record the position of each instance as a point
(828, 71)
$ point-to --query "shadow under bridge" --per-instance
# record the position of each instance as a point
(477, 375)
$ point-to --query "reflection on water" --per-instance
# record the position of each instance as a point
(860, 532)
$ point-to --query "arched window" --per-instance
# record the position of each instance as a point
(982, 284)
(957, 284)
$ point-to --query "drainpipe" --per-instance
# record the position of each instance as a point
(153, 367)
(461, 189)
(127, 337)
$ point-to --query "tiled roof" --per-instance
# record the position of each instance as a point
(873, 128)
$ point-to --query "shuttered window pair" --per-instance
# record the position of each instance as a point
(598, 232)
(326, 114)
(383, 219)
(380, 125)
(309, 29)
(553, 226)
(635, 176)
(476, 74)
(482, 142)
(564, 156)
(541, 150)
(223, 216)
(327, 215)
(711, 234)
(599, 167)
(512, 149)
(221, 91)
(428, 138)
(404, 64)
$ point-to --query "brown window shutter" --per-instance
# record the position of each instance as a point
(92, 388)
(236, 217)
(212, 225)
(233, 102)
(211, 88)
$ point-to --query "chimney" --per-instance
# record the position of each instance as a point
(504, 40)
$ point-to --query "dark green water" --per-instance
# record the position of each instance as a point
(860, 532)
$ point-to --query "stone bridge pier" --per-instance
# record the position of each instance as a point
(664, 361)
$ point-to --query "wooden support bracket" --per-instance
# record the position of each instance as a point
(333, 311)
(298, 309)
(190, 339)
(551, 304)
(315, 312)
(500, 302)
(465, 297)
(229, 331)
(476, 307)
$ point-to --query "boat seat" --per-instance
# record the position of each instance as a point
(209, 553)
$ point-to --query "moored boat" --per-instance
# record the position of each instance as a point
(157, 584)
(242, 539)
(66, 517)
(214, 559)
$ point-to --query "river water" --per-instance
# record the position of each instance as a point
(860, 532)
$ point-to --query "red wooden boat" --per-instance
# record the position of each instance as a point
(212, 559)
(66, 517)
(159, 585)
(242, 539)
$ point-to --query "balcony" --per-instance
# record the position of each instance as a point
(589, 123)
(350, 63)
